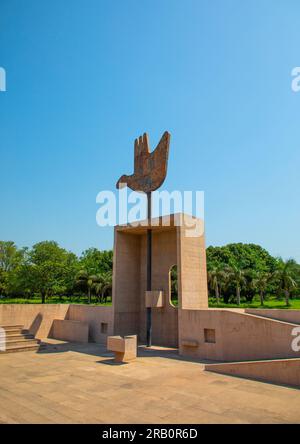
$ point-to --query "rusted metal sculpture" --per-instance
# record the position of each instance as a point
(150, 170)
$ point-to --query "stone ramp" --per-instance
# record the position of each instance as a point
(234, 336)
(284, 315)
(14, 338)
(283, 366)
(277, 371)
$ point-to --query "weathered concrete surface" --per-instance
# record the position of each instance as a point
(154, 299)
(38, 318)
(99, 319)
(281, 371)
(238, 336)
(292, 316)
(125, 349)
(72, 331)
(81, 384)
(171, 246)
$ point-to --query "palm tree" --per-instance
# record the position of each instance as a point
(260, 282)
(102, 284)
(285, 275)
(224, 279)
(215, 276)
(237, 276)
(86, 281)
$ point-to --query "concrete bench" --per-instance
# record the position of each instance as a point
(124, 348)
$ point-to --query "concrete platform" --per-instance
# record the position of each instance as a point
(276, 371)
(80, 383)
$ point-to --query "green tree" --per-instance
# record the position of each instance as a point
(87, 282)
(237, 276)
(103, 285)
(243, 256)
(10, 259)
(285, 277)
(261, 282)
(94, 261)
(216, 280)
(10, 256)
(49, 267)
(174, 285)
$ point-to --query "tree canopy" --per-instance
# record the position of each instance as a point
(236, 273)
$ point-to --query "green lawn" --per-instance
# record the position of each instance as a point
(54, 300)
(270, 303)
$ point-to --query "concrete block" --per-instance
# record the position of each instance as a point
(124, 348)
(154, 299)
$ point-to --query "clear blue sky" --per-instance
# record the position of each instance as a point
(84, 78)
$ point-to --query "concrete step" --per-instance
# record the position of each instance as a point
(19, 336)
(20, 341)
(16, 331)
(12, 327)
(20, 348)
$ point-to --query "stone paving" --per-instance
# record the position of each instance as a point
(68, 383)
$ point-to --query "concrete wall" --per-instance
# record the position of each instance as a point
(126, 283)
(165, 319)
(238, 336)
(99, 319)
(292, 316)
(171, 245)
(38, 318)
(283, 371)
(192, 275)
(73, 331)
(130, 285)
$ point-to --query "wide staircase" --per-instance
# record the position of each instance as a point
(14, 338)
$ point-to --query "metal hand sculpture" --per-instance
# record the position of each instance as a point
(150, 169)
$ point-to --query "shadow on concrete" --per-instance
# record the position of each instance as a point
(169, 353)
(53, 346)
(99, 350)
(111, 362)
(33, 329)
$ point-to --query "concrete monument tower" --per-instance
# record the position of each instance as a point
(145, 254)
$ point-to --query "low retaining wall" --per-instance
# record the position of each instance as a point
(72, 331)
(225, 335)
(99, 319)
(38, 318)
(283, 371)
(292, 316)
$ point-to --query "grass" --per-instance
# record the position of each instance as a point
(54, 300)
(269, 303)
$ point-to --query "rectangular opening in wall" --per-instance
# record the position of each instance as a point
(104, 328)
(210, 335)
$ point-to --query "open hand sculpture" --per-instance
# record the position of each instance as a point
(150, 169)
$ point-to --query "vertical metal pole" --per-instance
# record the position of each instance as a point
(149, 271)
